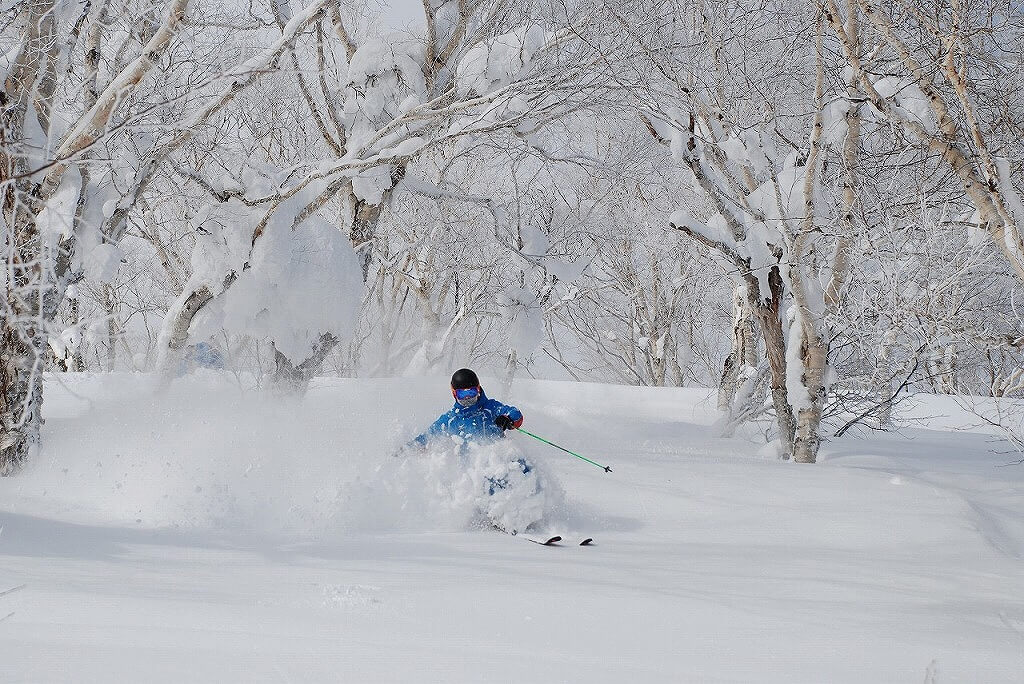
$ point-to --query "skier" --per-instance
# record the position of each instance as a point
(513, 494)
(474, 417)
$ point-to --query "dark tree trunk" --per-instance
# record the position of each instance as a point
(769, 316)
(295, 379)
(21, 393)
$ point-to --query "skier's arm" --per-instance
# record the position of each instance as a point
(514, 414)
(438, 427)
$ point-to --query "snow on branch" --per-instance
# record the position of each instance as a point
(499, 61)
(91, 125)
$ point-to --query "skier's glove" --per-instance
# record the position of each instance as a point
(504, 422)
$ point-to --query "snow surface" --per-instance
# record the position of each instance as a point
(210, 534)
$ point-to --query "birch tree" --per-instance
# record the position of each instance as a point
(55, 111)
(771, 215)
(946, 77)
(949, 78)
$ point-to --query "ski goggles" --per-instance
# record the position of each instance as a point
(468, 393)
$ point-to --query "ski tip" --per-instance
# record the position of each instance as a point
(587, 542)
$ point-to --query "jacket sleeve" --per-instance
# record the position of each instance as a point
(511, 411)
(438, 427)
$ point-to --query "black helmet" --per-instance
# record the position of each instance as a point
(464, 379)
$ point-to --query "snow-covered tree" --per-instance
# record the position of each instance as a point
(71, 124)
(380, 104)
(766, 209)
(949, 79)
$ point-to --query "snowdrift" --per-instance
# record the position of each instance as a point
(206, 454)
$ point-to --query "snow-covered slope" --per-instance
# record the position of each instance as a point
(208, 534)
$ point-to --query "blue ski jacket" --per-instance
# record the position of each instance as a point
(475, 423)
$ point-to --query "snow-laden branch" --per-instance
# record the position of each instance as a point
(982, 185)
(241, 76)
(91, 125)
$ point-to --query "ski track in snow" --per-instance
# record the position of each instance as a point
(207, 534)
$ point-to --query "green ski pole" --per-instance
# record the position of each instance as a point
(606, 468)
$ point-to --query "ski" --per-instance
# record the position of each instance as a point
(552, 541)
